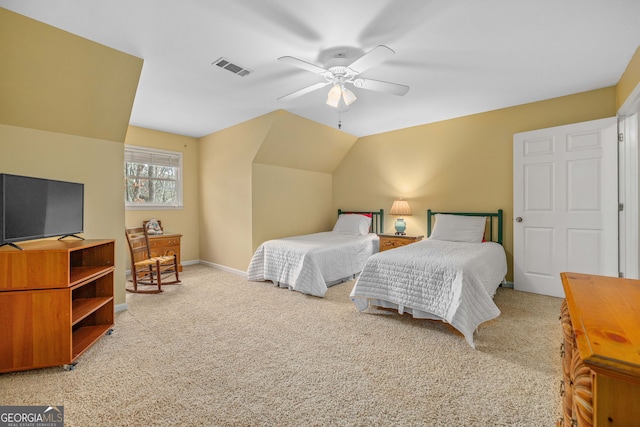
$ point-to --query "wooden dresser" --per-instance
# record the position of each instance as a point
(165, 244)
(601, 351)
(390, 241)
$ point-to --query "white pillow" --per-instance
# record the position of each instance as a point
(459, 228)
(352, 223)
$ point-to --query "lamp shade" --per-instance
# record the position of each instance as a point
(400, 207)
(348, 96)
(340, 93)
(333, 98)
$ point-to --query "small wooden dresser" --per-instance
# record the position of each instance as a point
(165, 244)
(601, 351)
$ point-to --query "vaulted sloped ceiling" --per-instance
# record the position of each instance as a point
(55, 81)
(298, 143)
(458, 57)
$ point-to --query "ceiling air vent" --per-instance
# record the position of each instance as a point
(235, 69)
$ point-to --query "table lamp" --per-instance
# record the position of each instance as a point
(400, 207)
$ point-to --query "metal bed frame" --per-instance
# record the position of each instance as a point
(492, 217)
(377, 219)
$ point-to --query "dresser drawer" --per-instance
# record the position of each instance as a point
(164, 241)
(160, 245)
(164, 250)
(391, 241)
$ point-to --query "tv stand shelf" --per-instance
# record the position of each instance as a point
(81, 274)
(82, 307)
(57, 301)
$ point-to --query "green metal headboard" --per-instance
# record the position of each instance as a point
(377, 219)
(492, 217)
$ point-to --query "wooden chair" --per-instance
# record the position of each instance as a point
(145, 269)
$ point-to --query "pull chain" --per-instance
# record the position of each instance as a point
(339, 121)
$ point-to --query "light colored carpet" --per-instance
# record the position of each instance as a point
(220, 351)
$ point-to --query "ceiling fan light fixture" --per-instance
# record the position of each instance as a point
(338, 74)
(340, 96)
(333, 98)
(348, 96)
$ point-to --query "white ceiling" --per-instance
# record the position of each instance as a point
(459, 57)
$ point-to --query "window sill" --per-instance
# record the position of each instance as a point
(152, 207)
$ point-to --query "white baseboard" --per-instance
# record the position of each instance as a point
(507, 284)
(209, 264)
(123, 307)
(183, 263)
(224, 268)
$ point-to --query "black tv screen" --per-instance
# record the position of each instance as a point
(34, 208)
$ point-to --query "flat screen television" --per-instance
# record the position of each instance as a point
(35, 208)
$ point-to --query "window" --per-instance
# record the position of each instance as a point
(153, 178)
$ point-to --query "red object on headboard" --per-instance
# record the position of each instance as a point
(367, 214)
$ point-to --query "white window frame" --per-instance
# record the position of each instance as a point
(146, 151)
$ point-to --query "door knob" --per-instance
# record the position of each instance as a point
(519, 219)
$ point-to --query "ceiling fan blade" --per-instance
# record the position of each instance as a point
(380, 86)
(303, 91)
(303, 64)
(373, 57)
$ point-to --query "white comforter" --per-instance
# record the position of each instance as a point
(451, 281)
(310, 262)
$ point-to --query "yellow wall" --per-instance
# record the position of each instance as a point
(266, 178)
(286, 199)
(225, 192)
(64, 110)
(299, 143)
(629, 80)
(185, 220)
(93, 162)
(463, 164)
(56, 81)
(291, 174)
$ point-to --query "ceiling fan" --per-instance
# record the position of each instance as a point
(341, 75)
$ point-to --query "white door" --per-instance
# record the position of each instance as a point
(565, 204)
(628, 195)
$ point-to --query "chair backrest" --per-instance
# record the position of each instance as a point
(138, 244)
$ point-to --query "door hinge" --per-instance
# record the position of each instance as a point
(620, 137)
(620, 207)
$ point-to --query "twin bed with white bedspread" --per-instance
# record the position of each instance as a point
(451, 276)
(311, 263)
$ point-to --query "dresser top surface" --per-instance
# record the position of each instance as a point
(165, 234)
(605, 314)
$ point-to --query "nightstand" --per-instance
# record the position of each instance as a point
(390, 241)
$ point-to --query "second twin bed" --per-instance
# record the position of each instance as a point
(451, 276)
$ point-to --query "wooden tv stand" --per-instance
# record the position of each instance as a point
(57, 301)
